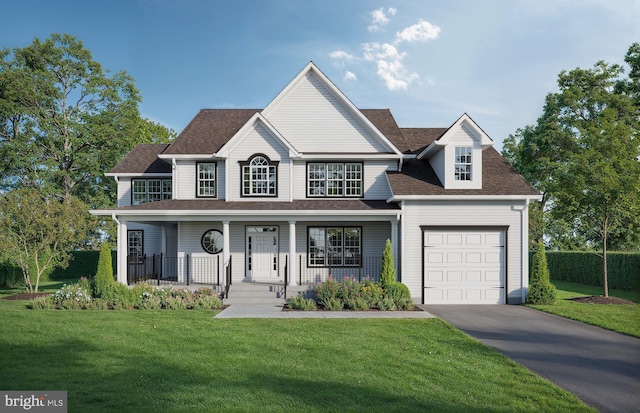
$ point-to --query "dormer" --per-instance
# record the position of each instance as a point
(456, 157)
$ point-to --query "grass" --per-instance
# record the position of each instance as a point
(189, 361)
(624, 319)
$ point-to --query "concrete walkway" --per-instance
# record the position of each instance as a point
(275, 311)
(599, 366)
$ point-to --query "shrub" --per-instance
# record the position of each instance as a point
(357, 304)
(541, 291)
(298, 302)
(372, 293)
(387, 304)
(349, 289)
(387, 271)
(75, 296)
(400, 295)
(104, 273)
(333, 304)
(586, 268)
(327, 290)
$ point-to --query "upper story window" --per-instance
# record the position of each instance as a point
(463, 163)
(150, 190)
(206, 185)
(334, 179)
(259, 176)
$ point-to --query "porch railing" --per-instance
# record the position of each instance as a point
(160, 269)
(365, 267)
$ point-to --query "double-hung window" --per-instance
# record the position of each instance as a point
(206, 185)
(259, 176)
(135, 243)
(462, 163)
(335, 246)
(150, 190)
(334, 179)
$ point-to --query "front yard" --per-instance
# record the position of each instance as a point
(186, 360)
(621, 318)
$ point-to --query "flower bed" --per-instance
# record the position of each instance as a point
(351, 294)
(82, 296)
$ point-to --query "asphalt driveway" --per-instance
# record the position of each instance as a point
(599, 366)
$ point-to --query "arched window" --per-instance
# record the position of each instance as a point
(259, 176)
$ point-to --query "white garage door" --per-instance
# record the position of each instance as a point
(464, 267)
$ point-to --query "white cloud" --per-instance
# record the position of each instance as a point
(341, 55)
(376, 51)
(421, 31)
(379, 18)
(349, 76)
(389, 65)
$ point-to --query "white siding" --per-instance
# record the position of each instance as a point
(186, 180)
(124, 192)
(438, 165)
(461, 214)
(314, 120)
(151, 238)
(259, 141)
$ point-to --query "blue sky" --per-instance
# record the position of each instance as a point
(428, 61)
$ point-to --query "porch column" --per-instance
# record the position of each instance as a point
(226, 253)
(163, 242)
(293, 273)
(394, 244)
(122, 258)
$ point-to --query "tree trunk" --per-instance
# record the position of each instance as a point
(605, 279)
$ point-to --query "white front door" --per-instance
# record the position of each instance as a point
(262, 253)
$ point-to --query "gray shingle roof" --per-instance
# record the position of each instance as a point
(143, 159)
(209, 130)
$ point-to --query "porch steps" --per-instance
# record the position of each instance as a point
(250, 293)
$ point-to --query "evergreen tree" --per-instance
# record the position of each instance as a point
(104, 274)
(388, 270)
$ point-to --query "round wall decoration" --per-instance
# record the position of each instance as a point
(212, 241)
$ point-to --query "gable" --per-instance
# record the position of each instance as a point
(316, 117)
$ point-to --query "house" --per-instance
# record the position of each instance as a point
(312, 186)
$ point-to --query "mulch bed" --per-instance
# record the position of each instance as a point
(599, 299)
(25, 296)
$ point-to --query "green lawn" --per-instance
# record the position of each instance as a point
(189, 361)
(621, 318)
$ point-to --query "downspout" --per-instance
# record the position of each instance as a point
(174, 178)
(525, 250)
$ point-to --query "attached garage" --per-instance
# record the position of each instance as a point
(464, 265)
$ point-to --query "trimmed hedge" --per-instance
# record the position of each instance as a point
(83, 264)
(586, 268)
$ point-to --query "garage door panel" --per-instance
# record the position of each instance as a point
(464, 267)
(435, 257)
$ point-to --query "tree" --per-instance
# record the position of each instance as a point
(38, 232)
(388, 269)
(104, 273)
(584, 152)
(541, 291)
(64, 120)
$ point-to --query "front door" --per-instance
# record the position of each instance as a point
(262, 253)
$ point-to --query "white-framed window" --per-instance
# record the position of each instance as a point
(334, 179)
(259, 177)
(150, 190)
(206, 177)
(462, 163)
(135, 246)
(334, 246)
